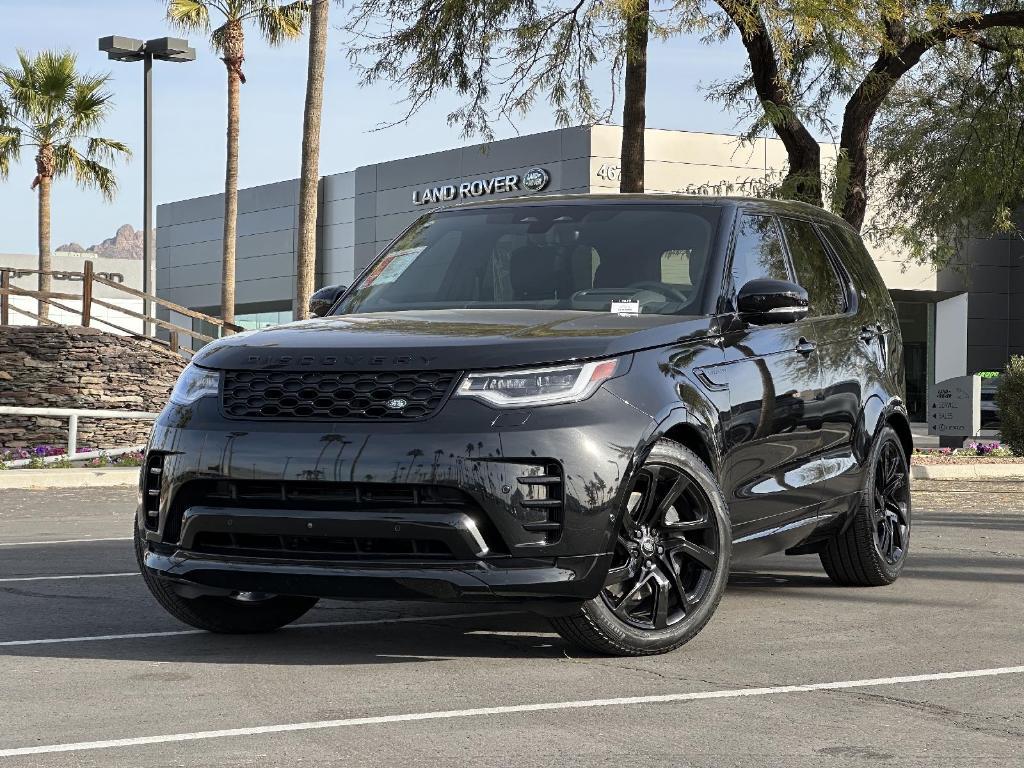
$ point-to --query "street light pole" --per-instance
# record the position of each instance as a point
(148, 257)
(130, 49)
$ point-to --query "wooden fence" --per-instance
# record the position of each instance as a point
(89, 302)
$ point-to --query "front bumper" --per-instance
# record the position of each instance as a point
(474, 503)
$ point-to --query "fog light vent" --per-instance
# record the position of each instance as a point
(543, 494)
(152, 478)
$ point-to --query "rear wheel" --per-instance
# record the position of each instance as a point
(670, 565)
(872, 550)
(239, 613)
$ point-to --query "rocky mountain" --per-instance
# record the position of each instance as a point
(126, 244)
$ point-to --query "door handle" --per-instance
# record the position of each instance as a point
(869, 334)
(805, 347)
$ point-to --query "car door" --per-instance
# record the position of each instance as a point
(855, 361)
(772, 430)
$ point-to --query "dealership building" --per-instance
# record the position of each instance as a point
(953, 322)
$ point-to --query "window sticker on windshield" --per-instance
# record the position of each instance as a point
(626, 307)
(391, 267)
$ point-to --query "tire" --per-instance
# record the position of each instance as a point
(225, 615)
(872, 550)
(671, 561)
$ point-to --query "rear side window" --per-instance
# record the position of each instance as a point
(815, 271)
(758, 253)
(857, 260)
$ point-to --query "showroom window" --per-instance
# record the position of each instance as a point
(254, 321)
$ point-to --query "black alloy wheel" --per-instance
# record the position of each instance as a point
(667, 549)
(670, 561)
(891, 504)
(872, 550)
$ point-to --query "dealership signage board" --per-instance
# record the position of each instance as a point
(954, 407)
(533, 180)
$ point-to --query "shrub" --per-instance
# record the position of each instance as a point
(1010, 399)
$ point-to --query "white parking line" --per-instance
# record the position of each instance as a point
(311, 625)
(506, 710)
(58, 541)
(67, 578)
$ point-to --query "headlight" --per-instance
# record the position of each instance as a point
(540, 386)
(194, 383)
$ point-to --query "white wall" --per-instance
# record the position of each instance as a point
(951, 338)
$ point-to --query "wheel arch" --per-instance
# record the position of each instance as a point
(680, 426)
(878, 413)
(901, 426)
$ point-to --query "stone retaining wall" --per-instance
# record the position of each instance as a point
(73, 367)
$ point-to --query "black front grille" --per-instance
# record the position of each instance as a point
(319, 548)
(303, 496)
(300, 495)
(336, 396)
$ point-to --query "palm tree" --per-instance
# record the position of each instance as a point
(306, 261)
(277, 23)
(47, 105)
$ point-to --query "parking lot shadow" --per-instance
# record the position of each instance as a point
(511, 636)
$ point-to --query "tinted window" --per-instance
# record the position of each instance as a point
(579, 257)
(758, 252)
(857, 260)
(815, 271)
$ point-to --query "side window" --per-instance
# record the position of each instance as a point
(815, 271)
(758, 252)
(857, 261)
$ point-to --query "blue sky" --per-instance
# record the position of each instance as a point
(190, 113)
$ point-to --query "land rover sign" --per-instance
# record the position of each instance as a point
(954, 407)
(533, 180)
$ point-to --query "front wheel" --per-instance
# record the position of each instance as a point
(670, 564)
(240, 613)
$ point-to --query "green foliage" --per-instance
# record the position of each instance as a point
(823, 61)
(503, 56)
(1010, 399)
(47, 105)
(278, 22)
(949, 151)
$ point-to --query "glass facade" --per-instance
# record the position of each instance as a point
(917, 324)
(254, 321)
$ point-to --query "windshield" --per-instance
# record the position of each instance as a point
(649, 258)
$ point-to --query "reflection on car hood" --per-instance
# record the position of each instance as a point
(450, 339)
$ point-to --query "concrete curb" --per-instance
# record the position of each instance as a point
(78, 477)
(977, 471)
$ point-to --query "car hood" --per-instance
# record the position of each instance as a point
(453, 339)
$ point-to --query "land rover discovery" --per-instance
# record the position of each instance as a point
(581, 405)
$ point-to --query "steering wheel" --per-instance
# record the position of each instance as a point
(665, 290)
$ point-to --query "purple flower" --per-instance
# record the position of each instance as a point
(41, 450)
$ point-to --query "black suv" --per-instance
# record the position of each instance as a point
(579, 404)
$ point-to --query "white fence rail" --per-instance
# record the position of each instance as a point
(73, 415)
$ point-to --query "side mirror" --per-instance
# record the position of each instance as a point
(762, 302)
(321, 301)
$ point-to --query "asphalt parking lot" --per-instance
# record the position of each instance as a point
(791, 671)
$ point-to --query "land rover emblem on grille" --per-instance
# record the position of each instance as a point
(535, 179)
(397, 403)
